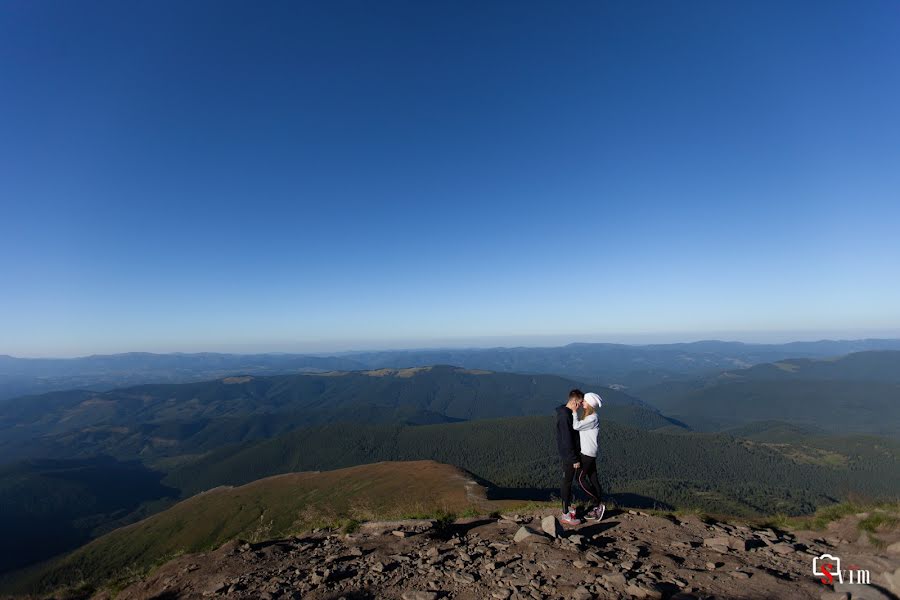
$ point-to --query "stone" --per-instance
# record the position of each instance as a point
(834, 596)
(861, 592)
(782, 548)
(463, 578)
(399, 533)
(582, 593)
(892, 580)
(894, 548)
(552, 527)
(740, 574)
(526, 534)
(614, 581)
(419, 595)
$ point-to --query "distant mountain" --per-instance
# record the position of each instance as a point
(631, 365)
(857, 393)
(174, 419)
(597, 364)
(22, 376)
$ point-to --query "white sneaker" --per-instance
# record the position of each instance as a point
(569, 519)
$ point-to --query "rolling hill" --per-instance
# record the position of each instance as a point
(166, 420)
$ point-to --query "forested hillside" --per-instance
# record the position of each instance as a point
(154, 421)
(50, 506)
(713, 472)
(857, 393)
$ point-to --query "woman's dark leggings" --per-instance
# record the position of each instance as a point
(588, 480)
(565, 490)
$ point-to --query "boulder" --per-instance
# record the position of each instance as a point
(582, 593)
(419, 595)
(781, 548)
(861, 592)
(527, 534)
(551, 526)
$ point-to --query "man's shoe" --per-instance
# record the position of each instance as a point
(569, 519)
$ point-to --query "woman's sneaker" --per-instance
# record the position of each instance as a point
(569, 519)
(596, 514)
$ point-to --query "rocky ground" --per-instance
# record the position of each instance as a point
(628, 555)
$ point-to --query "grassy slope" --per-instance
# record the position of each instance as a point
(268, 508)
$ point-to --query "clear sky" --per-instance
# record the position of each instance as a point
(331, 175)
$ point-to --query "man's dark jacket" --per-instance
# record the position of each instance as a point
(566, 437)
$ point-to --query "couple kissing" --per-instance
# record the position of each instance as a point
(577, 438)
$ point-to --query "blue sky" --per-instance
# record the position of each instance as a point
(332, 175)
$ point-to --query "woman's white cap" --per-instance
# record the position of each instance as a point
(593, 399)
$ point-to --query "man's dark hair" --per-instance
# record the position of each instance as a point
(576, 393)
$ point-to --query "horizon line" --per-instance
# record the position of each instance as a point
(461, 347)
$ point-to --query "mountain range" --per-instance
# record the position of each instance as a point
(857, 393)
(786, 436)
(598, 364)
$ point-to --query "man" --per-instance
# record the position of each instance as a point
(569, 449)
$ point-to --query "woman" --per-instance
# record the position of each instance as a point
(588, 428)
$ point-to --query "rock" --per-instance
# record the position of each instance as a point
(576, 539)
(530, 535)
(861, 592)
(463, 578)
(638, 590)
(740, 574)
(894, 548)
(892, 580)
(216, 587)
(551, 526)
(782, 548)
(614, 581)
(501, 594)
(399, 533)
(419, 595)
(581, 592)
(723, 543)
(834, 596)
